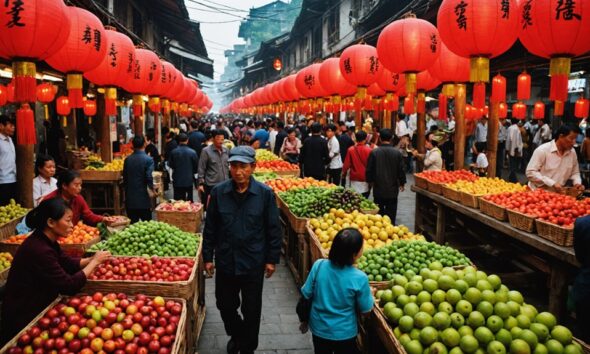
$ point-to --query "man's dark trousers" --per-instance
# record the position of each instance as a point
(139, 214)
(183, 193)
(387, 207)
(7, 192)
(227, 291)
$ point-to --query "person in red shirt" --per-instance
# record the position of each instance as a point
(40, 270)
(69, 186)
(356, 161)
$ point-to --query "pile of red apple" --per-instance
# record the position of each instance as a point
(112, 323)
(552, 207)
(179, 205)
(447, 176)
(144, 269)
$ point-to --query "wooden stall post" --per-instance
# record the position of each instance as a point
(25, 173)
(420, 132)
(460, 102)
(104, 129)
(492, 148)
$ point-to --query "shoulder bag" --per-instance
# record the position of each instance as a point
(303, 308)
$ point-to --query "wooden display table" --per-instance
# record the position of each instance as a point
(434, 213)
(103, 191)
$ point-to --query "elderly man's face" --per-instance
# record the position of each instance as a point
(241, 172)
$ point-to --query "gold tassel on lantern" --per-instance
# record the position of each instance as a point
(559, 70)
(110, 101)
(154, 104)
(448, 90)
(411, 82)
(480, 69)
(361, 93)
(137, 105)
(25, 83)
(74, 85)
(558, 108)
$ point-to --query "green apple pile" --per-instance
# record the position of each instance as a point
(314, 202)
(445, 310)
(399, 257)
(10, 211)
(151, 238)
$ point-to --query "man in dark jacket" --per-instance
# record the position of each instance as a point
(385, 173)
(184, 164)
(581, 288)
(345, 142)
(137, 178)
(314, 154)
(196, 138)
(243, 235)
(281, 135)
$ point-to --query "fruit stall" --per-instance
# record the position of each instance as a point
(531, 228)
(103, 184)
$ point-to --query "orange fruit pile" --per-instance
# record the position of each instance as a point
(81, 234)
(285, 184)
(18, 239)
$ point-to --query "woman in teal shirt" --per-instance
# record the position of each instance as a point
(341, 291)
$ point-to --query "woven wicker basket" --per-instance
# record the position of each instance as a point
(451, 194)
(420, 182)
(73, 249)
(4, 274)
(189, 221)
(89, 175)
(9, 229)
(469, 200)
(315, 246)
(293, 173)
(370, 211)
(385, 332)
(492, 209)
(521, 221)
(435, 187)
(559, 235)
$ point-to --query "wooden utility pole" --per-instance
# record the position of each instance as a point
(460, 102)
(420, 132)
(25, 157)
(492, 148)
(104, 131)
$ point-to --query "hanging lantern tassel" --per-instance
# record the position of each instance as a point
(165, 106)
(155, 104)
(539, 110)
(110, 101)
(558, 108)
(421, 103)
(523, 87)
(498, 89)
(75, 85)
(502, 110)
(409, 105)
(519, 110)
(25, 83)
(559, 70)
(137, 106)
(361, 93)
(479, 95)
(411, 83)
(394, 104)
(25, 123)
(368, 103)
(479, 69)
(582, 108)
(448, 90)
(442, 106)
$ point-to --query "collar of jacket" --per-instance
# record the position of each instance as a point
(253, 187)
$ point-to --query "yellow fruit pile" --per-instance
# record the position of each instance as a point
(486, 185)
(116, 165)
(377, 230)
(265, 155)
(5, 261)
(10, 211)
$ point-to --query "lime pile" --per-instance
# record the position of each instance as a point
(10, 211)
(444, 310)
(150, 238)
(401, 256)
(314, 202)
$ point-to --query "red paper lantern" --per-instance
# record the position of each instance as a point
(10, 92)
(409, 46)
(498, 89)
(33, 30)
(449, 67)
(289, 88)
(478, 29)
(502, 110)
(359, 65)
(62, 104)
(523, 87)
(146, 72)
(442, 106)
(375, 91)
(539, 110)
(177, 86)
(390, 81)
(3, 95)
(46, 92)
(519, 110)
(479, 94)
(90, 108)
(581, 108)
(84, 50)
(556, 29)
(333, 81)
(308, 82)
(409, 104)
(426, 82)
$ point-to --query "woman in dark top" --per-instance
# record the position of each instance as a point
(151, 150)
(40, 270)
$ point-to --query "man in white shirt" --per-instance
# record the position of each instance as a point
(413, 125)
(481, 130)
(335, 165)
(7, 161)
(501, 151)
(433, 157)
(514, 148)
(401, 128)
(554, 163)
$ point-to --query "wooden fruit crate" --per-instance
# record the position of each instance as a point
(451, 194)
(73, 249)
(293, 173)
(189, 221)
(315, 246)
(420, 182)
(492, 209)
(90, 175)
(297, 223)
(385, 332)
(4, 275)
(469, 200)
(179, 346)
(521, 221)
(9, 229)
(435, 187)
(559, 235)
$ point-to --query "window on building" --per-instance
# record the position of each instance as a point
(137, 23)
(353, 15)
(334, 26)
(121, 11)
(317, 42)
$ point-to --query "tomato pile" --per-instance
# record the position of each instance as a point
(80, 234)
(447, 176)
(279, 165)
(285, 184)
(555, 208)
(144, 269)
(17, 239)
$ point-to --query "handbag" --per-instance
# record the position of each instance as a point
(303, 308)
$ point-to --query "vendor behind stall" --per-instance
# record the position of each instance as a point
(40, 270)
(43, 183)
(554, 163)
(69, 186)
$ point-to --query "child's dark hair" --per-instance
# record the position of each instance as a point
(480, 147)
(347, 243)
(53, 209)
(67, 177)
(40, 162)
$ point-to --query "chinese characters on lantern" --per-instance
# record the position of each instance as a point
(433, 42)
(87, 37)
(460, 10)
(347, 66)
(374, 65)
(566, 10)
(15, 10)
(309, 81)
(527, 20)
(505, 9)
(113, 55)
(130, 63)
